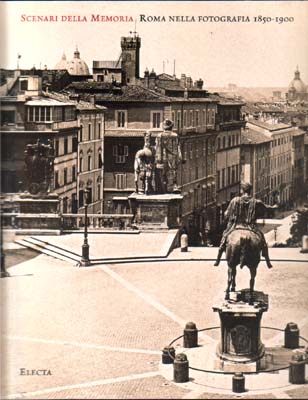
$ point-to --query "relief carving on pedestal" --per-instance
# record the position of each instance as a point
(240, 340)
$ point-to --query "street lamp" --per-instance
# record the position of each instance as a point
(85, 260)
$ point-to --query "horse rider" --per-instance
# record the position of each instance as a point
(244, 210)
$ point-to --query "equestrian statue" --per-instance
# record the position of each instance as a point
(242, 240)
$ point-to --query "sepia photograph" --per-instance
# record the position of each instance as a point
(154, 199)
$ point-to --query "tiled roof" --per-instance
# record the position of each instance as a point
(80, 104)
(249, 136)
(269, 126)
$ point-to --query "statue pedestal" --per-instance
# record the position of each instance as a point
(157, 211)
(240, 348)
(38, 213)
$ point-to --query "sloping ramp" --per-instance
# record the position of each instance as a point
(104, 246)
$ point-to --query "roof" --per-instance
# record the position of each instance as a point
(250, 136)
(45, 101)
(269, 126)
(80, 104)
(107, 64)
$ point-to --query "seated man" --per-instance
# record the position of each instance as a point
(244, 210)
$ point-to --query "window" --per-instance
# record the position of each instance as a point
(80, 133)
(80, 161)
(218, 143)
(191, 118)
(185, 119)
(179, 123)
(89, 162)
(39, 114)
(100, 161)
(57, 147)
(81, 198)
(120, 153)
(74, 144)
(223, 142)
(120, 181)
(121, 118)
(74, 173)
(156, 119)
(65, 145)
(89, 131)
(7, 117)
(197, 117)
(57, 180)
(65, 176)
(23, 84)
(99, 130)
(223, 177)
(228, 175)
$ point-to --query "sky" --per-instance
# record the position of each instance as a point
(245, 53)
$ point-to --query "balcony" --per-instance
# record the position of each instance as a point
(229, 125)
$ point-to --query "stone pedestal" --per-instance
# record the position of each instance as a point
(157, 211)
(240, 348)
(38, 213)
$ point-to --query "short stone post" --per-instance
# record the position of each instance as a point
(184, 242)
(168, 355)
(304, 244)
(238, 383)
(190, 337)
(297, 369)
(181, 368)
(291, 336)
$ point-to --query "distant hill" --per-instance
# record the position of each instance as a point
(249, 93)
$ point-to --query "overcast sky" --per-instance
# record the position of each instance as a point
(247, 53)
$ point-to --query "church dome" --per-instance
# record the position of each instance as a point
(62, 64)
(297, 84)
(77, 66)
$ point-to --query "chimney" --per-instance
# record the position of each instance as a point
(199, 83)
(189, 82)
(183, 80)
(152, 79)
(146, 78)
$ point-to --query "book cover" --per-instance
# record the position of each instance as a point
(127, 128)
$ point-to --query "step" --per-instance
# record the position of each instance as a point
(48, 250)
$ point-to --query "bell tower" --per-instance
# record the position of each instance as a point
(130, 58)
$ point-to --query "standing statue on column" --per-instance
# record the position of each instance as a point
(168, 156)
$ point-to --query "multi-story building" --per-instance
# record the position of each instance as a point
(228, 155)
(255, 162)
(28, 115)
(90, 170)
(283, 155)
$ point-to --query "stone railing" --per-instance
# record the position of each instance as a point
(68, 222)
(97, 221)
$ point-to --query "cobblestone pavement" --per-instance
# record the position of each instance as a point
(100, 330)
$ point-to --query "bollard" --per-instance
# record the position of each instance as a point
(291, 336)
(190, 337)
(305, 244)
(184, 242)
(181, 368)
(168, 355)
(238, 383)
(297, 370)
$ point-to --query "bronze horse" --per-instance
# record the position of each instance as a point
(243, 248)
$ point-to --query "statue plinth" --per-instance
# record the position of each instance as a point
(157, 211)
(240, 347)
(38, 212)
